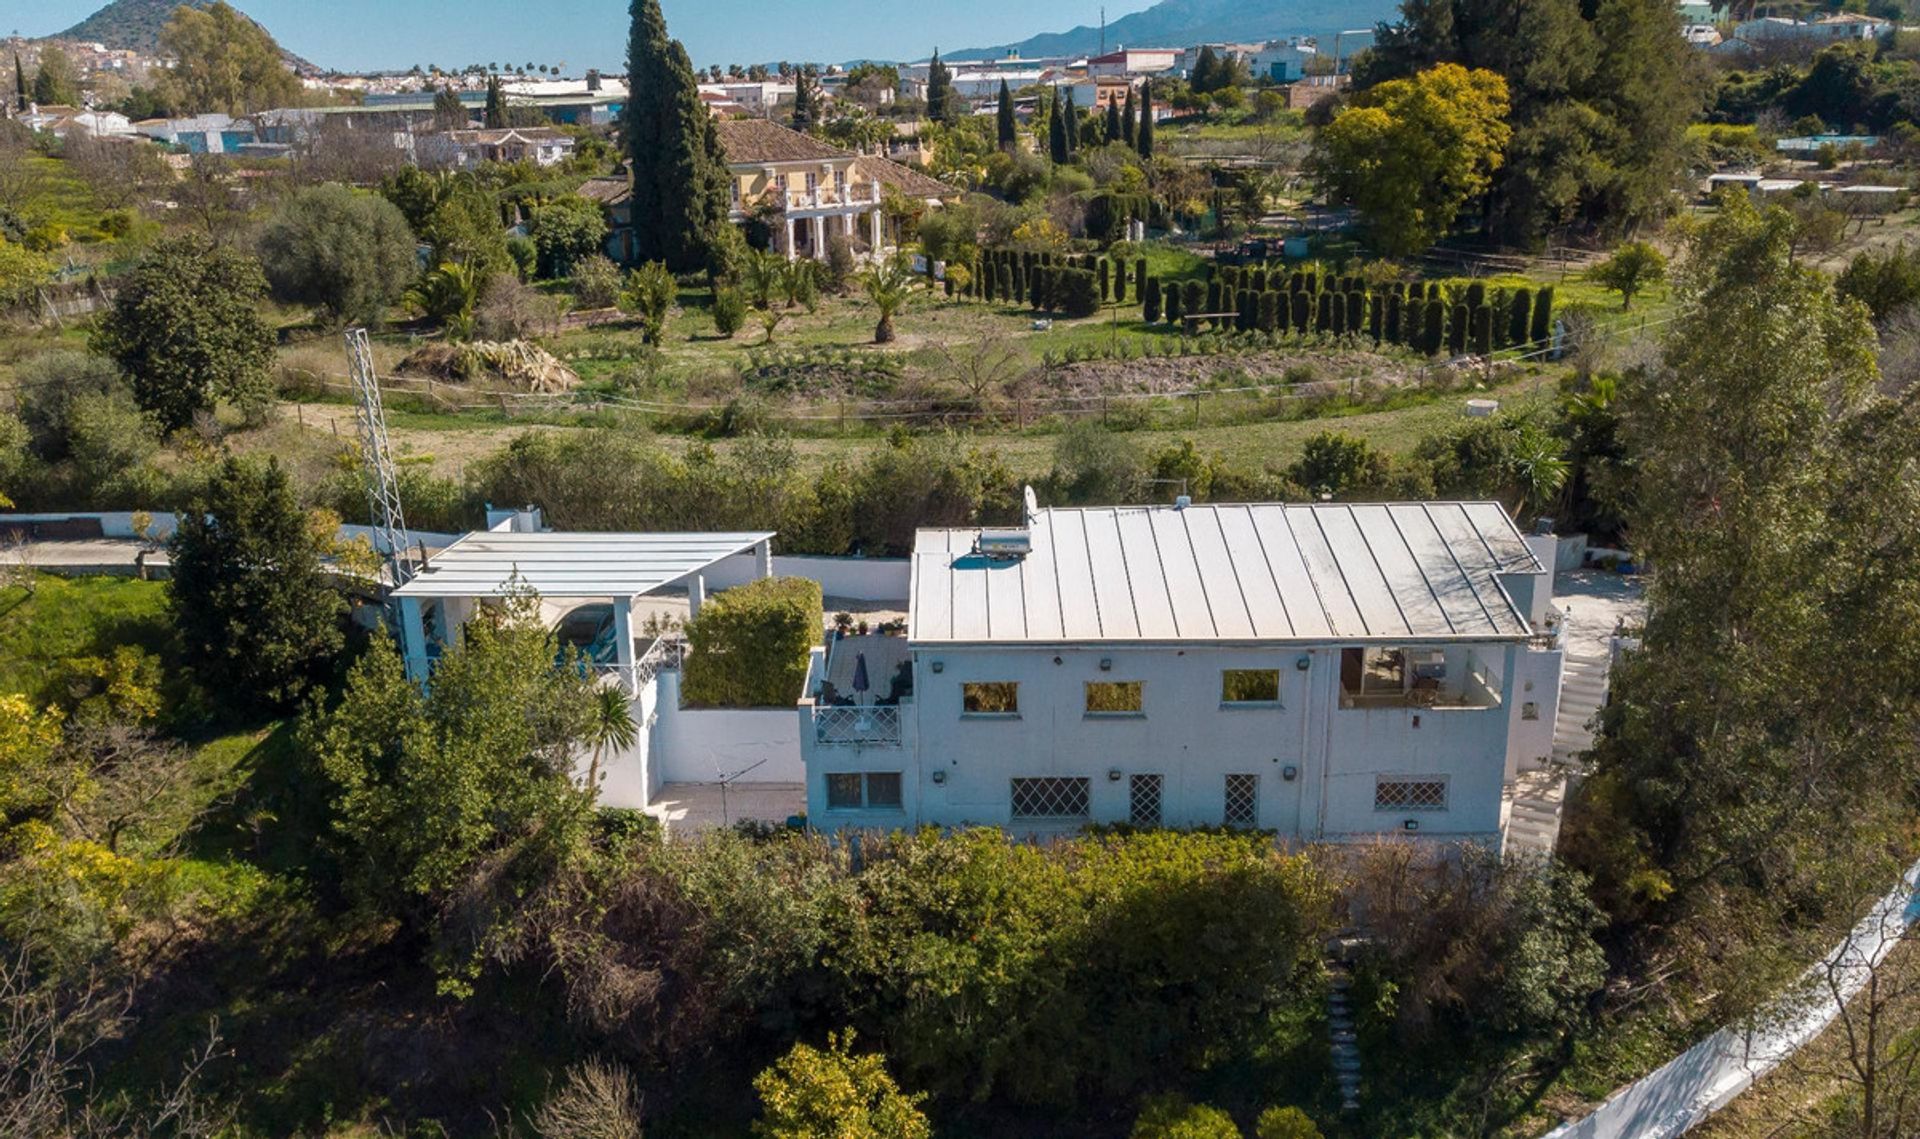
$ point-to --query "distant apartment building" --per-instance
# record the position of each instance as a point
(1126, 62)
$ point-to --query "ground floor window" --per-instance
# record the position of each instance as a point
(1243, 801)
(1399, 793)
(1143, 801)
(1052, 798)
(856, 790)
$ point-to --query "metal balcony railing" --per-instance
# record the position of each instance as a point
(839, 726)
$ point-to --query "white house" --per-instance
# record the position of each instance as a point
(1327, 672)
(543, 146)
(1284, 61)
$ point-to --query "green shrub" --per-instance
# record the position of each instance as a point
(1172, 1117)
(1150, 303)
(1543, 314)
(1076, 293)
(729, 311)
(748, 647)
(811, 1092)
(1285, 1123)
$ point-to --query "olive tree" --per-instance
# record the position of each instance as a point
(346, 253)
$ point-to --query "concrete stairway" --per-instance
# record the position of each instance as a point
(1346, 1048)
(1583, 688)
(1534, 799)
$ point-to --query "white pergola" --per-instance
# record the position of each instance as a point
(562, 566)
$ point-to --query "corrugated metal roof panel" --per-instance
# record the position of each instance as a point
(573, 564)
(1246, 573)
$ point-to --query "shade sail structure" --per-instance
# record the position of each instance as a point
(1383, 573)
(489, 564)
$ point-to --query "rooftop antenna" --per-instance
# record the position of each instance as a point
(376, 454)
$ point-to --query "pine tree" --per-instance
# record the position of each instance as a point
(1143, 137)
(495, 116)
(1056, 130)
(941, 105)
(680, 179)
(1072, 131)
(1113, 120)
(449, 113)
(1127, 119)
(1205, 72)
(803, 101)
(1009, 134)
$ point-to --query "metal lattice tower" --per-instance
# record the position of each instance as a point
(383, 485)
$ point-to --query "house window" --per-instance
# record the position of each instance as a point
(1114, 698)
(1143, 801)
(1242, 801)
(1054, 798)
(1400, 794)
(1250, 686)
(990, 698)
(813, 181)
(853, 791)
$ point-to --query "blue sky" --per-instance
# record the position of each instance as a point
(354, 34)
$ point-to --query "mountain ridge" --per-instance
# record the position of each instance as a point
(1182, 23)
(134, 25)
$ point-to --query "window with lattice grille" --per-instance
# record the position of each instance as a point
(1053, 798)
(1143, 801)
(1243, 801)
(1410, 795)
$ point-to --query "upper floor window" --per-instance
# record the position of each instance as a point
(1250, 686)
(990, 698)
(1115, 698)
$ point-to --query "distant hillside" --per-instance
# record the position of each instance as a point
(134, 25)
(1181, 23)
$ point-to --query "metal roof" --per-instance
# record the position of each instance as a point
(572, 564)
(1261, 573)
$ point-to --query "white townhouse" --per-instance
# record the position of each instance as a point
(1328, 672)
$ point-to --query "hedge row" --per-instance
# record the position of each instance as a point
(1048, 281)
(1418, 314)
(748, 647)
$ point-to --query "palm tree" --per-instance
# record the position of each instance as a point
(449, 294)
(609, 725)
(1539, 469)
(888, 285)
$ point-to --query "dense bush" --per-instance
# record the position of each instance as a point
(346, 253)
(748, 646)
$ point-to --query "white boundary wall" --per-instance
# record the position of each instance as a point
(854, 579)
(703, 745)
(119, 524)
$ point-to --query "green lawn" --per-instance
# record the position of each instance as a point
(62, 618)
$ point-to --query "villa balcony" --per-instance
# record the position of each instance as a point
(831, 199)
(844, 726)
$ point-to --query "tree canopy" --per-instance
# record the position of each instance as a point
(185, 328)
(347, 253)
(1411, 153)
(225, 62)
(681, 192)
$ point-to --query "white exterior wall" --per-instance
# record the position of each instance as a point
(631, 778)
(1534, 708)
(855, 579)
(701, 745)
(1189, 738)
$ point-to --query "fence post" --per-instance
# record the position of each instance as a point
(1196, 409)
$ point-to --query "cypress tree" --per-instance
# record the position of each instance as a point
(681, 188)
(1476, 294)
(1113, 121)
(1140, 275)
(1391, 329)
(1008, 128)
(1323, 319)
(1204, 75)
(1056, 131)
(1356, 310)
(941, 105)
(1457, 330)
(1543, 315)
(1072, 131)
(1270, 311)
(1435, 332)
(1213, 297)
(1119, 282)
(1297, 311)
(1106, 281)
(1483, 330)
(1143, 136)
(1128, 117)
(1150, 301)
(802, 101)
(495, 116)
(1377, 318)
(1174, 307)
(1003, 281)
(1193, 298)
(19, 84)
(1519, 311)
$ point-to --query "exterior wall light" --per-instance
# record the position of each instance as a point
(939, 778)
(1106, 664)
(1304, 663)
(1411, 824)
(939, 666)
(1113, 775)
(1289, 773)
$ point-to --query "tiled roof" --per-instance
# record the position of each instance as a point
(749, 142)
(903, 179)
(607, 191)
